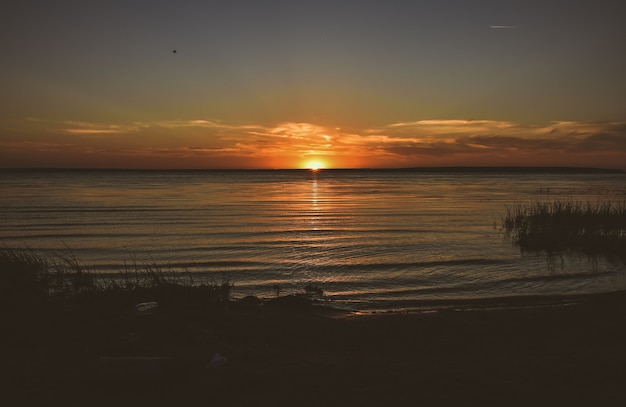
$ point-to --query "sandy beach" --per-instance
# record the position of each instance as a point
(560, 351)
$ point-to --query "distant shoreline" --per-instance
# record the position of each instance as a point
(448, 169)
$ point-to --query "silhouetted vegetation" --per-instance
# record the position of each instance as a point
(29, 280)
(568, 226)
(89, 345)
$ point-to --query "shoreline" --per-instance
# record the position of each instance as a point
(568, 350)
(509, 302)
(418, 307)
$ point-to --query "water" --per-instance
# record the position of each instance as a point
(370, 239)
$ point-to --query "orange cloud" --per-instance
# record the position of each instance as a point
(213, 144)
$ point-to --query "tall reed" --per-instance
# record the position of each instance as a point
(28, 279)
(569, 226)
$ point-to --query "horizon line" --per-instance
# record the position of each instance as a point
(454, 168)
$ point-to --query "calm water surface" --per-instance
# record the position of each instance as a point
(370, 239)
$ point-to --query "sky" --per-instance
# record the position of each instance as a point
(294, 84)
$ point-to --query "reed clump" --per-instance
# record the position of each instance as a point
(569, 226)
(29, 280)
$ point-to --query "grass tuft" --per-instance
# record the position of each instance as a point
(569, 226)
(29, 280)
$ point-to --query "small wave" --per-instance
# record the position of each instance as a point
(387, 266)
(556, 277)
(478, 289)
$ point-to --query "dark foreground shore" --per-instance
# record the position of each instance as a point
(568, 351)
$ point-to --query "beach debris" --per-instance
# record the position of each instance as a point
(217, 360)
(313, 290)
(276, 288)
(292, 301)
(250, 301)
(146, 308)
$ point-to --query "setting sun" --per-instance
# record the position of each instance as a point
(314, 165)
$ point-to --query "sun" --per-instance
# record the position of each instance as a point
(314, 165)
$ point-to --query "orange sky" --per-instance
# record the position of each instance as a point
(207, 144)
(276, 84)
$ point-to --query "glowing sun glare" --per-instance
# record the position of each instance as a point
(314, 165)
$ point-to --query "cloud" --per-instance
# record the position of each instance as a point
(209, 143)
(565, 134)
(86, 128)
